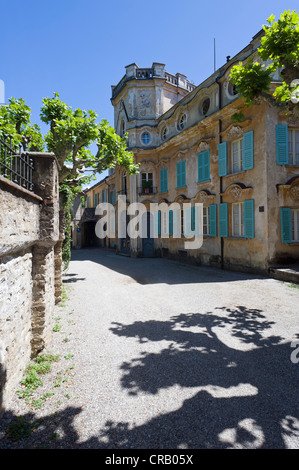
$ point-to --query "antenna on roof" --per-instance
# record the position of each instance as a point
(214, 55)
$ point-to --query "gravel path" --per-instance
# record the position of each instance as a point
(157, 354)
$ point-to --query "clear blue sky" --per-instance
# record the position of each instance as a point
(80, 48)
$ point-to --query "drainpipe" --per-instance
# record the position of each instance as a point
(221, 178)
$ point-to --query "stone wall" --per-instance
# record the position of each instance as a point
(30, 279)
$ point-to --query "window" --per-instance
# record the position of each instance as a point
(205, 221)
(241, 155)
(238, 219)
(295, 224)
(205, 106)
(293, 146)
(145, 138)
(147, 182)
(237, 156)
(164, 133)
(182, 122)
(163, 180)
(122, 128)
(287, 145)
(181, 174)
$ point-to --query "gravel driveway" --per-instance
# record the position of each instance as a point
(158, 354)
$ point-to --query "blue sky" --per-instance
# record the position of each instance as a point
(80, 48)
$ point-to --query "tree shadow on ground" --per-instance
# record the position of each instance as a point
(245, 387)
(159, 270)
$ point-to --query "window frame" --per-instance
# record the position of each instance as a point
(292, 154)
(238, 141)
(240, 215)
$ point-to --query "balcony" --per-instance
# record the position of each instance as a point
(142, 191)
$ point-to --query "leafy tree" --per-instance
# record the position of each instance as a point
(70, 136)
(15, 121)
(280, 49)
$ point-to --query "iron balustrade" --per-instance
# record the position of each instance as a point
(148, 190)
(15, 165)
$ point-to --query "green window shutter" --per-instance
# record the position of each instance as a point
(249, 218)
(102, 196)
(222, 159)
(213, 220)
(97, 198)
(282, 157)
(223, 219)
(204, 166)
(248, 150)
(89, 201)
(285, 222)
(94, 200)
(113, 197)
(105, 195)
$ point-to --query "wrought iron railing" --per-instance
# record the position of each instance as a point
(148, 190)
(15, 165)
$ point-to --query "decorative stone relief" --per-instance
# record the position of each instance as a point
(202, 146)
(235, 192)
(234, 132)
(294, 192)
(144, 103)
(203, 196)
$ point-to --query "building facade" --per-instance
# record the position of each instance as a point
(245, 173)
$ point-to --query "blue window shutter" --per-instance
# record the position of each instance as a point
(89, 202)
(113, 197)
(222, 159)
(282, 156)
(94, 200)
(97, 198)
(207, 165)
(223, 219)
(286, 227)
(102, 196)
(178, 174)
(105, 195)
(163, 180)
(204, 166)
(183, 173)
(157, 222)
(248, 150)
(213, 220)
(249, 218)
(200, 167)
(170, 222)
(193, 215)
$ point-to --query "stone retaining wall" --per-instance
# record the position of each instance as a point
(30, 270)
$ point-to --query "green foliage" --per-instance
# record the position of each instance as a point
(280, 47)
(15, 121)
(250, 79)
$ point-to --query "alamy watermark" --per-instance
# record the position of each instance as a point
(161, 220)
(2, 92)
(295, 353)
